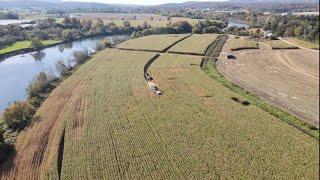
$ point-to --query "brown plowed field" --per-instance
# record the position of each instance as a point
(288, 79)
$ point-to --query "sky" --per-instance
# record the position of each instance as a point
(139, 2)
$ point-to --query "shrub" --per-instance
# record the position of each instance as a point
(99, 46)
(5, 148)
(212, 29)
(37, 43)
(126, 24)
(117, 40)
(62, 68)
(104, 43)
(35, 102)
(38, 85)
(17, 116)
(182, 27)
(67, 34)
(80, 56)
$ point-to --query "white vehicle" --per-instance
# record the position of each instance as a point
(154, 88)
(159, 93)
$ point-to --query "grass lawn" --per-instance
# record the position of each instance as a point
(278, 44)
(303, 43)
(23, 45)
(239, 44)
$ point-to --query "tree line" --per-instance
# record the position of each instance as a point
(67, 30)
(179, 27)
(8, 15)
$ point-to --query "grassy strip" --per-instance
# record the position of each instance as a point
(20, 45)
(240, 44)
(277, 112)
(278, 44)
(302, 43)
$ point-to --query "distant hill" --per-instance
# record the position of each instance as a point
(198, 4)
(57, 4)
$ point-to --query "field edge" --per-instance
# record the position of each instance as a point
(308, 129)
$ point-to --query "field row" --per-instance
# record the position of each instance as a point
(195, 44)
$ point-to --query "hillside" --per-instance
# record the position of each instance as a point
(65, 5)
(53, 4)
(103, 122)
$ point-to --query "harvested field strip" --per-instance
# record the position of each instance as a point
(213, 51)
(277, 112)
(240, 44)
(128, 135)
(287, 79)
(278, 44)
(175, 74)
(157, 43)
(194, 45)
(302, 43)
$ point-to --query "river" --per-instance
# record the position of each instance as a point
(13, 21)
(237, 24)
(16, 72)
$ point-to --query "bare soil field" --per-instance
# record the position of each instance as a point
(288, 79)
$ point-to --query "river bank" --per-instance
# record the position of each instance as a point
(33, 49)
(17, 71)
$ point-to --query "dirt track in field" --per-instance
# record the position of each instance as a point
(288, 79)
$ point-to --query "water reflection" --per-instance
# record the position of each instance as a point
(239, 24)
(61, 48)
(39, 55)
(68, 45)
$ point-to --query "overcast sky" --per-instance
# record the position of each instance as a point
(139, 2)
